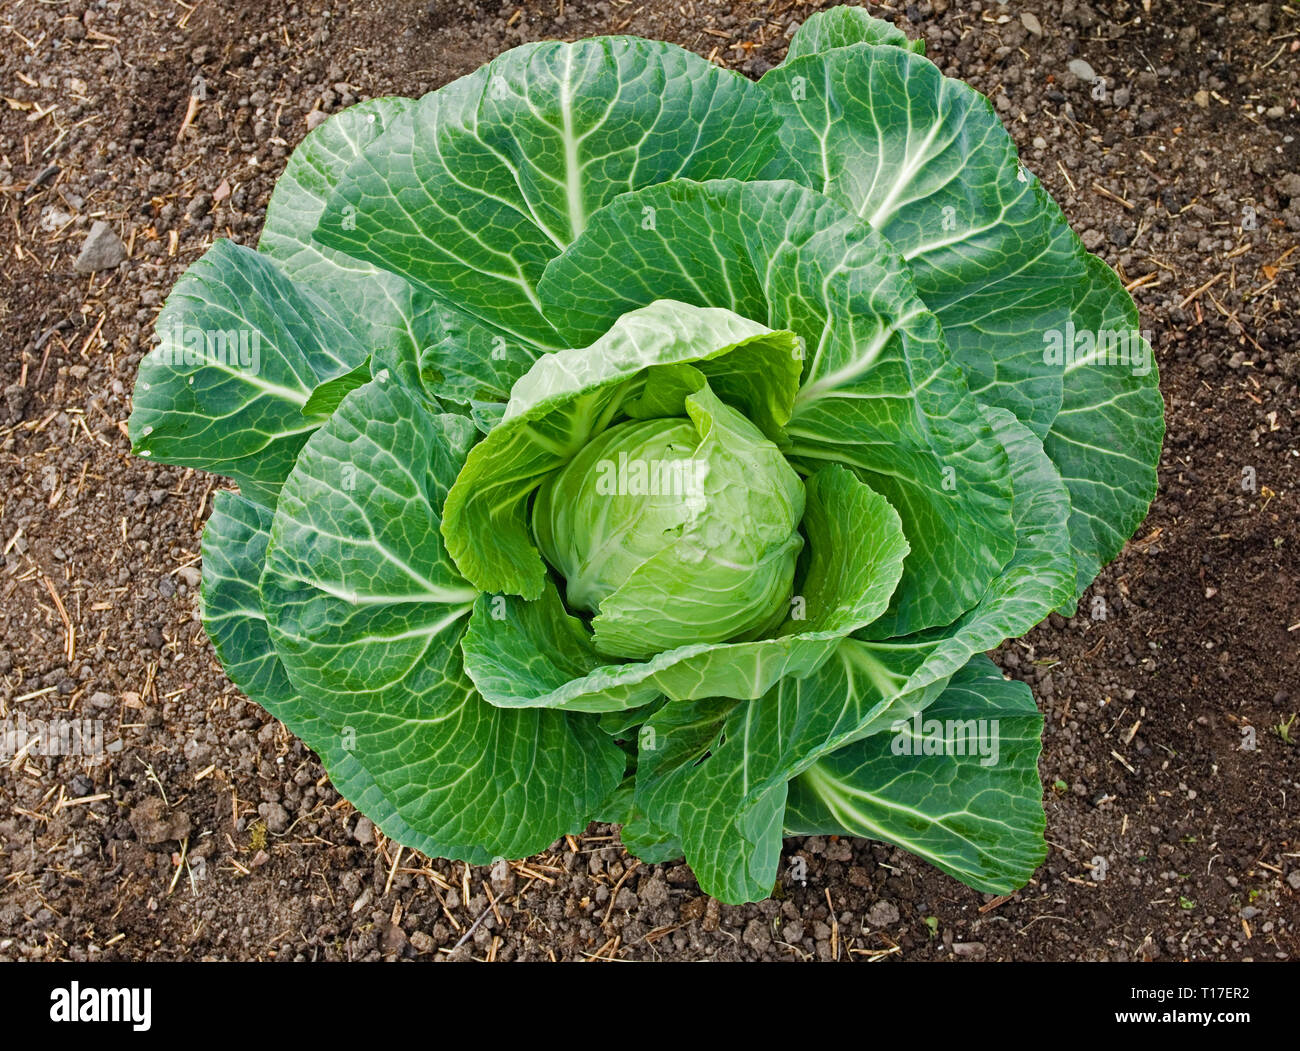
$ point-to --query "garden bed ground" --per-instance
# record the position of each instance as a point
(1147, 710)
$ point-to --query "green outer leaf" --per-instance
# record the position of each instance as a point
(366, 612)
(470, 363)
(1037, 579)
(856, 552)
(641, 841)
(720, 767)
(700, 787)
(844, 26)
(326, 398)
(393, 318)
(1106, 439)
(234, 553)
(527, 147)
(624, 725)
(981, 824)
(618, 807)
(566, 398)
(1007, 274)
(879, 391)
(537, 655)
(925, 160)
(215, 414)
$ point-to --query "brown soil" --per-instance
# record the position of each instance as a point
(1147, 710)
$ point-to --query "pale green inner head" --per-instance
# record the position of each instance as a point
(674, 530)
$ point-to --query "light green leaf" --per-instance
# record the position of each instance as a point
(844, 26)
(234, 553)
(241, 350)
(488, 178)
(1037, 579)
(393, 318)
(719, 768)
(879, 392)
(751, 366)
(856, 550)
(366, 611)
(925, 160)
(470, 363)
(535, 654)
(326, 398)
(973, 810)
(1106, 439)
(565, 399)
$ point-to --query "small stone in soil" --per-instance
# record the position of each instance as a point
(883, 914)
(364, 833)
(1082, 70)
(102, 250)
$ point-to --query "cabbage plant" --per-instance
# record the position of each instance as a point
(621, 439)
